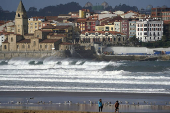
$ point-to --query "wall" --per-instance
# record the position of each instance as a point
(124, 50)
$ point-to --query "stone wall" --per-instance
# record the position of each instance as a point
(34, 54)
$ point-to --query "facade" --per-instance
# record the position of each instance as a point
(21, 20)
(125, 27)
(47, 38)
(149, 30)
(117, 25)
(35, 23)
(161, 13)
(81, 24)
(104, 37)
(92, 21)
(132, 28)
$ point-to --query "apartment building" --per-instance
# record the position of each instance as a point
(104, 37)
(125, 27)
(35, 23)
(149, 30)
(162, 13)
(132, 28)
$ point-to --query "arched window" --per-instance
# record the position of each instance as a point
(11, 39)
(18, 15)
(34, 43)
(23, 46)
(5, 47)
(119, 39)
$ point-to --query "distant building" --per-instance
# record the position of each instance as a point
(149, 30)
(35, 23)
(88, 4)
(104, 37)
(132, 28)
(105, 5)
(161, 13)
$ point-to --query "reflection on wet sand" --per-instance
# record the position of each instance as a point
(88, 107)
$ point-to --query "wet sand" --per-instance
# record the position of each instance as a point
(68, 102)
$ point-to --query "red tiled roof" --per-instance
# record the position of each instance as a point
(66, 43)
(81, 20)
(58, 35)
(6, 41)
(29, 34)
(24, 41)
(49, 40)
(61, 27)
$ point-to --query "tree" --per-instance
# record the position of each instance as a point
(164, 38)
(32, 9)
(134, 40)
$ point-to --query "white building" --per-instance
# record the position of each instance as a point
(2, 37)
(149, 30)
(117, 26)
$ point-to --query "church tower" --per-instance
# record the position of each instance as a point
(21, 20)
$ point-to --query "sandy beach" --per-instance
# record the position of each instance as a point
(68, 102)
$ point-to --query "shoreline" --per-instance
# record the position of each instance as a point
(67, 102)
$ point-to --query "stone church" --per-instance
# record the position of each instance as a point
(41, 40)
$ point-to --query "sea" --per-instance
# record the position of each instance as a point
(84, 75)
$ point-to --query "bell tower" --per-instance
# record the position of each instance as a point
(21, 20)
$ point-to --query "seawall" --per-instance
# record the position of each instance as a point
(34, 54)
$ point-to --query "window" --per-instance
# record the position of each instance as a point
(5, 47)
(17, 46)
(23, 46)
(34, 43)
(11, 39)
(18, 15)
(35, 23)
(46, 46)
(40, 46)
(28, 46)
(18, 30)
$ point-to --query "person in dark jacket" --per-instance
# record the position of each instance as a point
(100, 105)
(117, 106)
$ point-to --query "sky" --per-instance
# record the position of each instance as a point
(11, 5)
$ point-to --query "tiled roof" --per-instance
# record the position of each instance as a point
(24, 41)
(49, 27)
(66, 43)
(64, 15)
(29, 34)
(61, 27)
(6, 41)
(81, 20)
(49, 40)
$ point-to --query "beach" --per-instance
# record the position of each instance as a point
(68, 102)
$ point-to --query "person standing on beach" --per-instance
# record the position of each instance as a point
(117, 106)
(100, 105)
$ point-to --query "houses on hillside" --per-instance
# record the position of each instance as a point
(81, 28)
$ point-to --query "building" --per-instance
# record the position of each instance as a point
(129, 14)
(132, 28)
(161, 13)
(125, 27)
(81, 24)
(47, 38)
(35, 23)
(91, 22)
(104, 37)
(149, 30)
